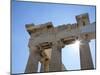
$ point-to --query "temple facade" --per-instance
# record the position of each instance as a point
(46, 43)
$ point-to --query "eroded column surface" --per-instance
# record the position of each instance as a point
(45, 60)
(55, 63)
(34, 57)
(85, 55)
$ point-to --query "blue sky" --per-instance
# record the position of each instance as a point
(38, 13)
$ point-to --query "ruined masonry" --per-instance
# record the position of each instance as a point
(46, 42)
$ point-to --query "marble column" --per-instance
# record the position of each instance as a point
(85, 55)
(32, 64)
(55, 63)
(45, 67)
(44, 63)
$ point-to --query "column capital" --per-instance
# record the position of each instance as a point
(84, 37)
(84, 42)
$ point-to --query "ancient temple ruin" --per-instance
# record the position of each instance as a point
(46, 42)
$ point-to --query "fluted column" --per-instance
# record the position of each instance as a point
(55, 63)
(85, 55)
(44, 62)
(34, 57)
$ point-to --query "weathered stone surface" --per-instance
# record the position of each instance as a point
(85, 55)
(34, 58)
(82, 19)
(55, 61)
(44, 37)
(63, 68)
